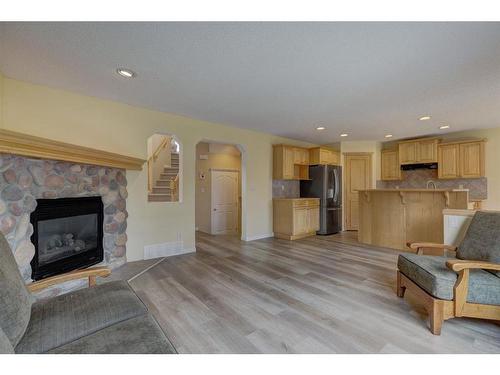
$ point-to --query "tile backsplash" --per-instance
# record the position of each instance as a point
(417, 179)
(286, 189)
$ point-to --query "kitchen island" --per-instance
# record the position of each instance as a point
(393, 217)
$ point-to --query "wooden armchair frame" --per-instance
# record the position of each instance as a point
(90, 273)
(438, 309)
(430, 248)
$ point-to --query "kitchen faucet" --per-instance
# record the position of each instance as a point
(429, 183)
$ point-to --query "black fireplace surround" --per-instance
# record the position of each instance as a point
(67, 234)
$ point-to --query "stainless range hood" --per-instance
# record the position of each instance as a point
(410, 167)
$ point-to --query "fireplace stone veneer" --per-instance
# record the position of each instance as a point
(25, 180)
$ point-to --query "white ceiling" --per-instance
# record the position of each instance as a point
(365, 79)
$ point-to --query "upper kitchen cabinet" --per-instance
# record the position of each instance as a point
(472, 159)
(390, 165)
(323, 155)
(418, 151)
(407, 153)
(427, 150)
(290, 163)
(300, 156)
(463, 159)
(448, 161)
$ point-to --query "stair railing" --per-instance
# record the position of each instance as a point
(152, 173)
(174, 189)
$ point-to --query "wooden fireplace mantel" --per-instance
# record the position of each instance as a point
(27, 145)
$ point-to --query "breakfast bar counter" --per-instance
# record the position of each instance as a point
(393, 217)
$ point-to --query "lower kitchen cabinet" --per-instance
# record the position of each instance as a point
(295, 218)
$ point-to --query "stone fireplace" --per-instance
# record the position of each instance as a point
(24, 180)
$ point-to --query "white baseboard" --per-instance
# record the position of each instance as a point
(166, 249)
(258, 237)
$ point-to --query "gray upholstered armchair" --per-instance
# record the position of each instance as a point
(465, 286)
(107, 318)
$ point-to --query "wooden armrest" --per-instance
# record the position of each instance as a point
(419, 246)
(458, 265)
(91, 273)
(461, 288)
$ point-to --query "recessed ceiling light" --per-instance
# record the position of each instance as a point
(388, 135)
(320, 128)
(425, 118)
(127, 73)
(442, 127)
(344, 135)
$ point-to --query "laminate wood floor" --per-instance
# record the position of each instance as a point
(316, 295)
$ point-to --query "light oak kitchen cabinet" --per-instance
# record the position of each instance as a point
(448, 161)
(323, 156)
(427, 150)
(471, 159)
(407, 153)
(417, 151)
(290, 163)
(390, 167)
(462, 159)
(300, 156)
(295, 218)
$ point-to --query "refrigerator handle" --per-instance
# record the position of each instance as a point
(336, 194)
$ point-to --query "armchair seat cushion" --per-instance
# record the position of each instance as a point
(69, 317)
(431, 274)
(140, 335)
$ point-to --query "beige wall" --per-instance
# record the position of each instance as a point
(121, 128)
(219, 157)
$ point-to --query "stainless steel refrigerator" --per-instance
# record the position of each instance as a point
(326, 184)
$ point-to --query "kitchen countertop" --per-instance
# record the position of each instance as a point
(458, 212)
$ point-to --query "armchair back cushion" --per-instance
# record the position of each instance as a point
(15, 300)
(482, 240)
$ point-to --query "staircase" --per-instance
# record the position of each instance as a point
(165, 189)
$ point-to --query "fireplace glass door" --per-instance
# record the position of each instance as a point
(67, 234)
(65, 237)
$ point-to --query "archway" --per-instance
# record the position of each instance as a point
(218, 165)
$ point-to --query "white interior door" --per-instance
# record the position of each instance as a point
(224, 202)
